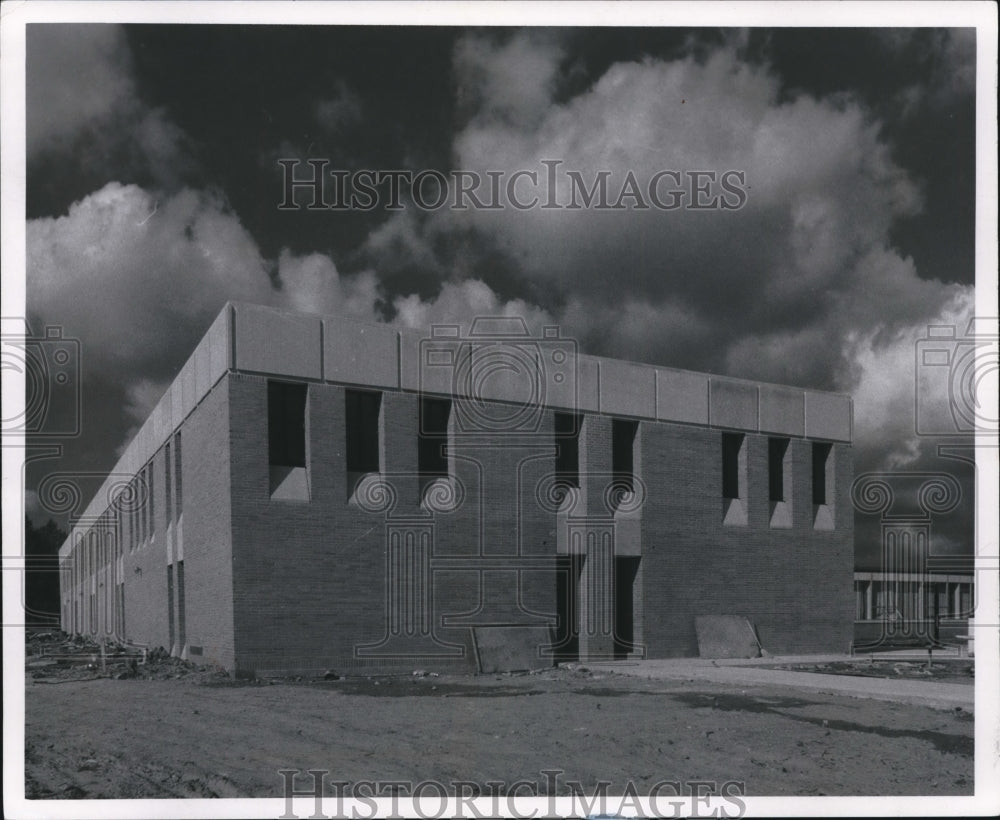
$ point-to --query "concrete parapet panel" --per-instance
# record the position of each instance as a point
(176, 395)
(356, 353)
(161, 419)
(202, 370)
(212, 353)
(588, 384)
(142, 445)
(126, 464)
(430, 364)
(506, 372)
(409, 359)
(221, 336)
(439, 362)
(136, 449)
(681, 396)
(732, 404)
(283, 344)
(628, 389)
(782, 411)
(828, 416)
(98, 504)
(189, 388)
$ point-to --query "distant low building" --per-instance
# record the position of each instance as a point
(896, 608)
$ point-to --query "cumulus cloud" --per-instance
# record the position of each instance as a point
(821, 188)
(895, 392)
(512, 84)
(141, 397)
(403, 241)
(32, 508)
(460, 303)
(164, 265)
(312, 284)
(801, 285)
(82, 99)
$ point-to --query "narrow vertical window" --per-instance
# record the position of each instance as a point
(776, 451)
(623, 451)
(168, 465)
(181, 616)
(179, 503)
(170, 606)
(152, 500)
(567, 437)
(732, 449)
(821, 455)
(121, 611)
(143, 507)
(286, 441)
(362, 431)
(822, 486)
(779, 481)
(133, 518)
(286, 425)
(432, 442)
(148, 506)
(734, 479)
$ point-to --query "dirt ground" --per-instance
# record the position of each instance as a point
(169, 729)
(951, 671)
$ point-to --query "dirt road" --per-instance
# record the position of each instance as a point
(204, 736)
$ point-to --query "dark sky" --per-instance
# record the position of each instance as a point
(153, 193)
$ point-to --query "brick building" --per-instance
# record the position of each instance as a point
(313, 493)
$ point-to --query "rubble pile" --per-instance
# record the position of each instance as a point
(51, 657)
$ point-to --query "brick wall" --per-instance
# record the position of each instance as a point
(200, 536)
(145, 566)
(310, 577)
(794, 584)
(305, 585)
(205, 534)
(300, 594)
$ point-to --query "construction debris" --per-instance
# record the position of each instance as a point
(53, 657)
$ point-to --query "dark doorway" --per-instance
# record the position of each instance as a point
(566, 646)
(181, 616)
(170, 606)
(626, 572)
